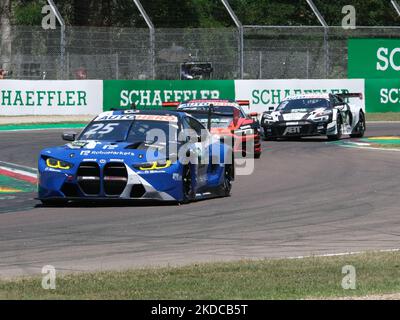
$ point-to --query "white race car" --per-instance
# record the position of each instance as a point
(313, 115)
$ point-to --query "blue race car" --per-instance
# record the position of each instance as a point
(137, 155)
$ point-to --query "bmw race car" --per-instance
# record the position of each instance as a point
(313, 115)
(136, 155)
(227, 119)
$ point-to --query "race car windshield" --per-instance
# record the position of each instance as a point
(217, 121)
(139, 131)
(311, 103)
(153, 131)
(106, 131)
(222, 119)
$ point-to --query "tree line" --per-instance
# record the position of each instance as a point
(199, 13)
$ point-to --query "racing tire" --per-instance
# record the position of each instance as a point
(338, 135)
(187, 185)
(360, 127)
(227, 182)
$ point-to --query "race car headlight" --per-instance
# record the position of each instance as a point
(58, 164)
(322, 116)
(321, 119)
(267, 118)
(155, 165)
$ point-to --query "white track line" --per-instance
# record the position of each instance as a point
(368, 148)
(342, 254)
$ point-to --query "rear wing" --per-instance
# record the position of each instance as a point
(243, 103)
(174, 104)
(358, 95)
(209, 111)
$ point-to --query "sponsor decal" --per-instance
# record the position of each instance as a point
(122, 117)
(382, 95)
(292, 130)
(208, 103)
(24, 97)
(152, 93)
(52, 170)
(265, 94)
(156, 118)
(77, 144)
(373, 58)
(110, 146)
(39, 98)
(106, 153)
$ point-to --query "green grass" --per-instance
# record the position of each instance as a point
(377, 273)
(383, 116)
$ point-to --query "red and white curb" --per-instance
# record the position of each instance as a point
(18, 172)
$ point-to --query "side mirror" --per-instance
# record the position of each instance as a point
(69, 136)
(271, 108)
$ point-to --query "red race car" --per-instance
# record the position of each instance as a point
(227, 119)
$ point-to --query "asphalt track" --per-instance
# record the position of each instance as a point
(305, 197)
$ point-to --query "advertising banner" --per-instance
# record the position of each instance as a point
(264, 94)
(382, 95)
(373, 58)
(150, 94)
(45, 97)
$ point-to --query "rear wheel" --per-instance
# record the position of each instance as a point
(338, 135)
(227, 183)
(360, 127)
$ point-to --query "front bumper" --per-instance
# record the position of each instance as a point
(294, 129)
(104, 182)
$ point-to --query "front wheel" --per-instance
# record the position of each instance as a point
(338, 134)
(360, 127)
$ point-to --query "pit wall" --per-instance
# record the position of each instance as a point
(90, 97)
